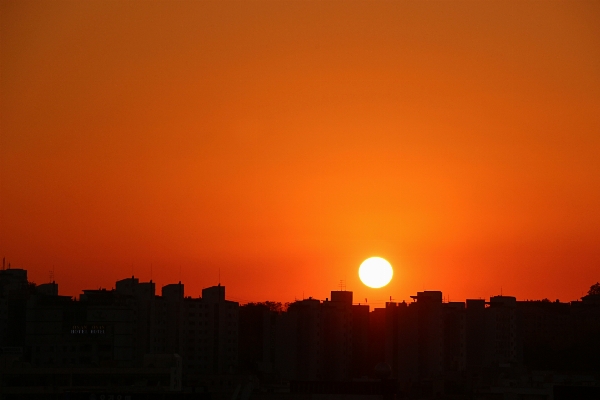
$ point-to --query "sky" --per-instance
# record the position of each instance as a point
(275, 145)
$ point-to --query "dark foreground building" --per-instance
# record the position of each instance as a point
(128, 341)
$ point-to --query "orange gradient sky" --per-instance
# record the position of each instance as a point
(283, 143)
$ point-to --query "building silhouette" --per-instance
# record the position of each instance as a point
(131, 339)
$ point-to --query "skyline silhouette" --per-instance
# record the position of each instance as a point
(182, 345)
(379, 299)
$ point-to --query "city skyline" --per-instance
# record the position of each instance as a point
(132, 341)
(373, 303)
(283, 143)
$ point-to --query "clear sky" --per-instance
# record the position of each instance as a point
(282, 143)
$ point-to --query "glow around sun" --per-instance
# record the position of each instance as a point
(375, 272)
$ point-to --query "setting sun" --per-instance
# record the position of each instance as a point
(375, 272)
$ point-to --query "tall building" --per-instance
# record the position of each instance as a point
(377, 339)
(299, 348)
(257, 345)
(12, 282)
(172, 304)
(475, 334)
(455, 355)
(210, 339)
(345, 333)
(336, 331)
(502, 343)
(547, 329)
(402, 341)
(361, 346)
(13, 306)
(431, 337)
(102, 329)
(225, 317)
(141, 296)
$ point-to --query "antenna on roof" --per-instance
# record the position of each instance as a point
(219, 276)
(342, 285)
(150, 272)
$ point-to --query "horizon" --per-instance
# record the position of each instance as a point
(159, 286)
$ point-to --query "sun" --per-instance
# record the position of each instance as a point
(375, 272)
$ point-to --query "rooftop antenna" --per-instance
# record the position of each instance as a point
(342, 285)
(219, 276)
(150, 272)
(52, 275)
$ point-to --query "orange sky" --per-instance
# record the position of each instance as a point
(285, 142)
